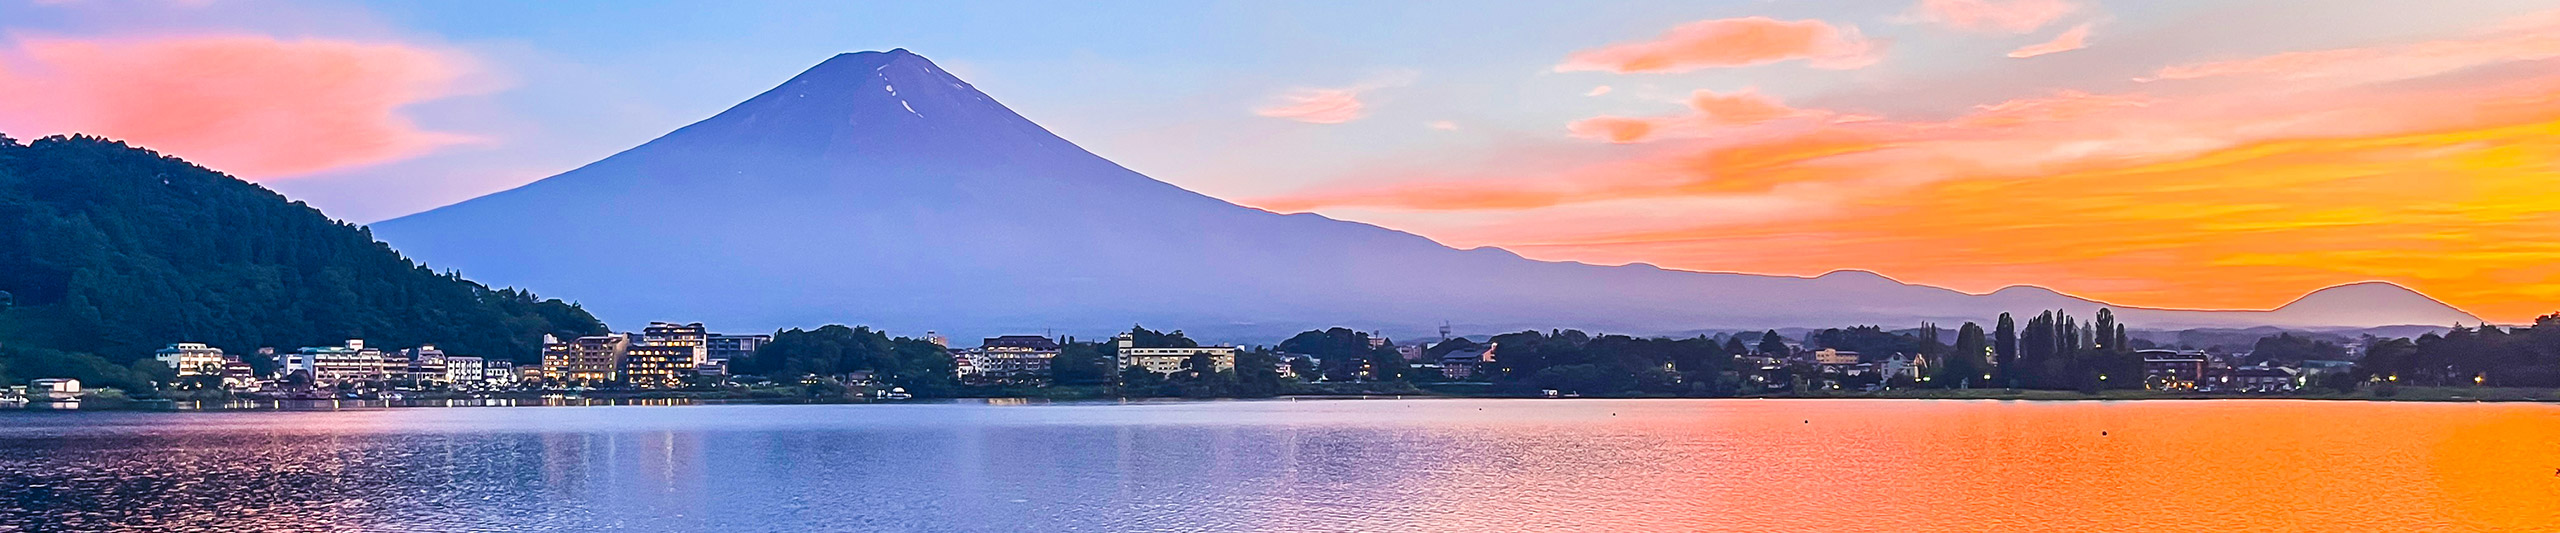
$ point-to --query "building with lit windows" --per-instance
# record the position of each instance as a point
(191, 358)
(2172, 369)
(1468, 364)
(498, 372)
(648, 365)
(329, 365)
(1172, 360)
(692, 337)
(589, 359)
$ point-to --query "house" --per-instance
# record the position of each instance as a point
(1468, 365)
(2259, 379)
(1910, 366)
(2172, 369)
(1836, 361)
(53, 389)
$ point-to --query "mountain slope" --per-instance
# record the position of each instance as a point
(877, 188)
(118, 251)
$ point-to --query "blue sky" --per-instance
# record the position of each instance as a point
(1475, 97)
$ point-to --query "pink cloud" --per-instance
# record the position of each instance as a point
(2527, 39)
(2012, 16)
(1710, 112)
(1596, 91)
(1317, 106)
(2072, 39)
(251, 105)
(1331, 105)
(1732, 43)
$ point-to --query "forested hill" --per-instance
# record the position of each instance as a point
(117, 251)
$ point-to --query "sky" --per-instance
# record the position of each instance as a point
(2164, 153)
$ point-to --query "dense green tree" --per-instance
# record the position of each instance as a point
(1082, 363)
(2004, 345)
(1772, 344)
(116, 251)
(1346, 355)
(2286, 348)
(1965, 365)
(920, 366)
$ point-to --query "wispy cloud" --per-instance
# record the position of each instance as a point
(1317, 106)
(1734, 42)
(2529, 38)
(2072, 39)
(1331, 105)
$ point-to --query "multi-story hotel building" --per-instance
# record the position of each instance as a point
(1007, 359)
(192, 358)
(692, 337)
(423, 363)
(651, 365)
(498, 372)
(1172, 360)
(334, 364)
(594, 358)
(463, 370)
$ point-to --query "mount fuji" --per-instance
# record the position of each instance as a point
(875, 188)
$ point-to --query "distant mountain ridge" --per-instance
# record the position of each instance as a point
(875, 188)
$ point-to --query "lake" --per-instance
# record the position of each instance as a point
(1315, 465)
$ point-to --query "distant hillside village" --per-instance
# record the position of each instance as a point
(2052, 351)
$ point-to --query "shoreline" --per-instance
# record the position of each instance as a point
(661, 399)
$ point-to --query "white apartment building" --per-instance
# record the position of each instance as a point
(1172, 360)
(192, 358)
(464, 370)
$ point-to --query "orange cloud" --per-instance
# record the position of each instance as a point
(251, 105)
(2534, 38)
(2012, 16)
(1733, 42)
(1317, 106)
(2465, 215)
(2237, 199)
(2072, 39)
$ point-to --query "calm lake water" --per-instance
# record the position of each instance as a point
(1365, 465)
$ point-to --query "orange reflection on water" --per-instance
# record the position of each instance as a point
(1799, 465)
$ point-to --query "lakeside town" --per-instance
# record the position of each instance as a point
(668, 362)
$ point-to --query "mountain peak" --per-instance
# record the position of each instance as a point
(877, 188)
(2350, 303)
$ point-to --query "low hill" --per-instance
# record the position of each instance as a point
(117, 251)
